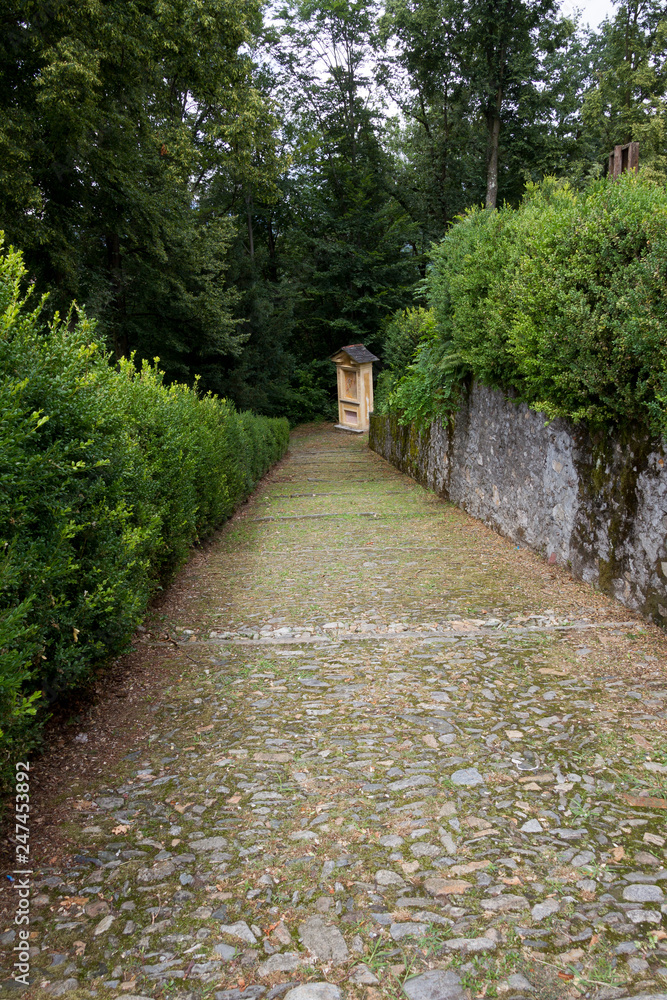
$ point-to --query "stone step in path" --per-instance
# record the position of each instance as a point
(398, 758)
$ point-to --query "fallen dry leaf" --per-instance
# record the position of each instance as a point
(204, 729)
(73, 901)
(645, 800)
(120, 829)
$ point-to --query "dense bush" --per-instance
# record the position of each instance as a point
(107, 476)
(418, 375)
(561, 302)
(311, 394)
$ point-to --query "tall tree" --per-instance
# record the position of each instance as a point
(471, 71)
(628, 97)
(116, 118)
(435, 141)
(346, 246)
(504, 40)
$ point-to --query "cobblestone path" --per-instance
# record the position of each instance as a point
(404, 759)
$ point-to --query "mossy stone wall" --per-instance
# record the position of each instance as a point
(597, 504)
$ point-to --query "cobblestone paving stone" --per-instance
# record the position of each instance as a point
(387, 770)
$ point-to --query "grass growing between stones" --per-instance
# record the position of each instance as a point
(388, 746)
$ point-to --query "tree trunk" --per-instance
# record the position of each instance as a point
(115, 263)
(251, 239)
(493, 125)
(273, 263)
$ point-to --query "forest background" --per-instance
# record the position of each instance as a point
(240, 189)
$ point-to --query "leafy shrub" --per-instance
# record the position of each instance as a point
(561, 302)
(402, 334)
(311, 394)
(107, 477)
(420, 379)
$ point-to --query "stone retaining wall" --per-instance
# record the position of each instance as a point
(598, 506)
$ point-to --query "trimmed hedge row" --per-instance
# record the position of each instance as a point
(107, 477)
(562, 302)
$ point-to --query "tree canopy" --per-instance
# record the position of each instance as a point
(239, 189)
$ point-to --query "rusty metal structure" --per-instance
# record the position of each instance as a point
(623, 159)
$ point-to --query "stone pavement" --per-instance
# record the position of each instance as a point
(402, 759)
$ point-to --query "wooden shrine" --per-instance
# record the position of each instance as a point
(354, 368)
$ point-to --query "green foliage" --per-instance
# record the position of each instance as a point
(628, 99)
(233, 196)
(402, 334)
(107, 477)
(421, 380)
(311, 394)
(439, 152)
(119, 120)
(346, 241)
(485, 92)
(561, 302)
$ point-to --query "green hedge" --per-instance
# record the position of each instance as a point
(562, 302)
(107, 477)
